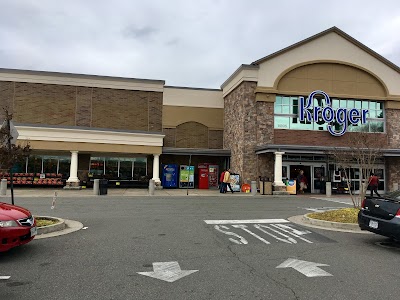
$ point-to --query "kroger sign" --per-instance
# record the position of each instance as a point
(331, 116)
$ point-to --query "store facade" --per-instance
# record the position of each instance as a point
(261, 122)
(278, 131)
(82, 127)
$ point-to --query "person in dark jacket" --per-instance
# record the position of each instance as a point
(222, 186)
(373, 184)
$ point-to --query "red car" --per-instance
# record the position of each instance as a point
(17, 226)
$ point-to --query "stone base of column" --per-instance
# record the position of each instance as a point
(280, 190)
(157, 184)
(72, 186)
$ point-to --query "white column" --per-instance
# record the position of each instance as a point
(73, 173)
(156, 169)
(278, 169)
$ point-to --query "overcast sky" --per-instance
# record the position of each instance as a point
(184, 42)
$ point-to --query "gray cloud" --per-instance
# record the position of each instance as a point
(185, 42)
(139, 33)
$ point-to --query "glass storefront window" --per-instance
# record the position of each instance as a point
(96, 165)
(111, 165)
(139, 168)
(64, 165)
(282, 122)
(50, 164)
(286, 110)
(19, 167)
(126, 168)
(35, 164)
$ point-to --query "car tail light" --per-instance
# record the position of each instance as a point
(363, 203)
(398, 213)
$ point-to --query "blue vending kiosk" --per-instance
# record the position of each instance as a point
(169, 176)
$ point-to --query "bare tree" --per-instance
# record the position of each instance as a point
(363, 151)
(11, 153)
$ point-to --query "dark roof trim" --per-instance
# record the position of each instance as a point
(242, 67)
(189, 151)
(89, 128)
(191, 88)
(342, 34)
(299, 149)
(80, 76)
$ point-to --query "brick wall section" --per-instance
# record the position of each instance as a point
(84, 106)
(318, 138)
(192, 135)
(393, 127)
(51, 104)
(120, 109)
(6, 96)
(169, 139)
(215, 139)
(155, 111)
(392, 172)
(44, 104)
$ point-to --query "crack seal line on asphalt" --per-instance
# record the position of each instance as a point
(254, 272)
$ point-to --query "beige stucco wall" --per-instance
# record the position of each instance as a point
(190, 97)
(82, 80)
(244, 73)
(335, 79)
(173, 116)
(329, 48)
(92, 147)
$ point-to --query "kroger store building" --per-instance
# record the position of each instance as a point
(260, 123)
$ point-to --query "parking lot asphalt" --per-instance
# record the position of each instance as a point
(233, 247)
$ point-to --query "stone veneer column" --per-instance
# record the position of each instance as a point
(156, 169)
(278, 170)
(73, 180)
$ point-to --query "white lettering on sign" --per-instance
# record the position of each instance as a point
(241, 240)
(280, 232)
(244, 227)
(341, 116)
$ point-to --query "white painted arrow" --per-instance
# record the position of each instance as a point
(4, 277)
(308, 268)
(167, 271)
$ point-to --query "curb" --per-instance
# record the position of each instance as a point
(51, 228)
(326, 225)
(69, 227)
(329, 224)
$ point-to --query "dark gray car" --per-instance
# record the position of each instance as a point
(381, 215)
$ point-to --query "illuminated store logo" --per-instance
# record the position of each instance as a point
(341, 116)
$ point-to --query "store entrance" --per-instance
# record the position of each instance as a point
(295, 171)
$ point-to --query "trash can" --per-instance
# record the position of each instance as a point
(265, 186)
(103, 186)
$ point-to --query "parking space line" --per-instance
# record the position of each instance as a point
(254, 221)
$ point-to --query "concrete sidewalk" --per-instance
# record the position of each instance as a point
(117, 192)
(132, 192)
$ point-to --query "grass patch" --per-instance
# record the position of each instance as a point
(344, 215)
(40, 222)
